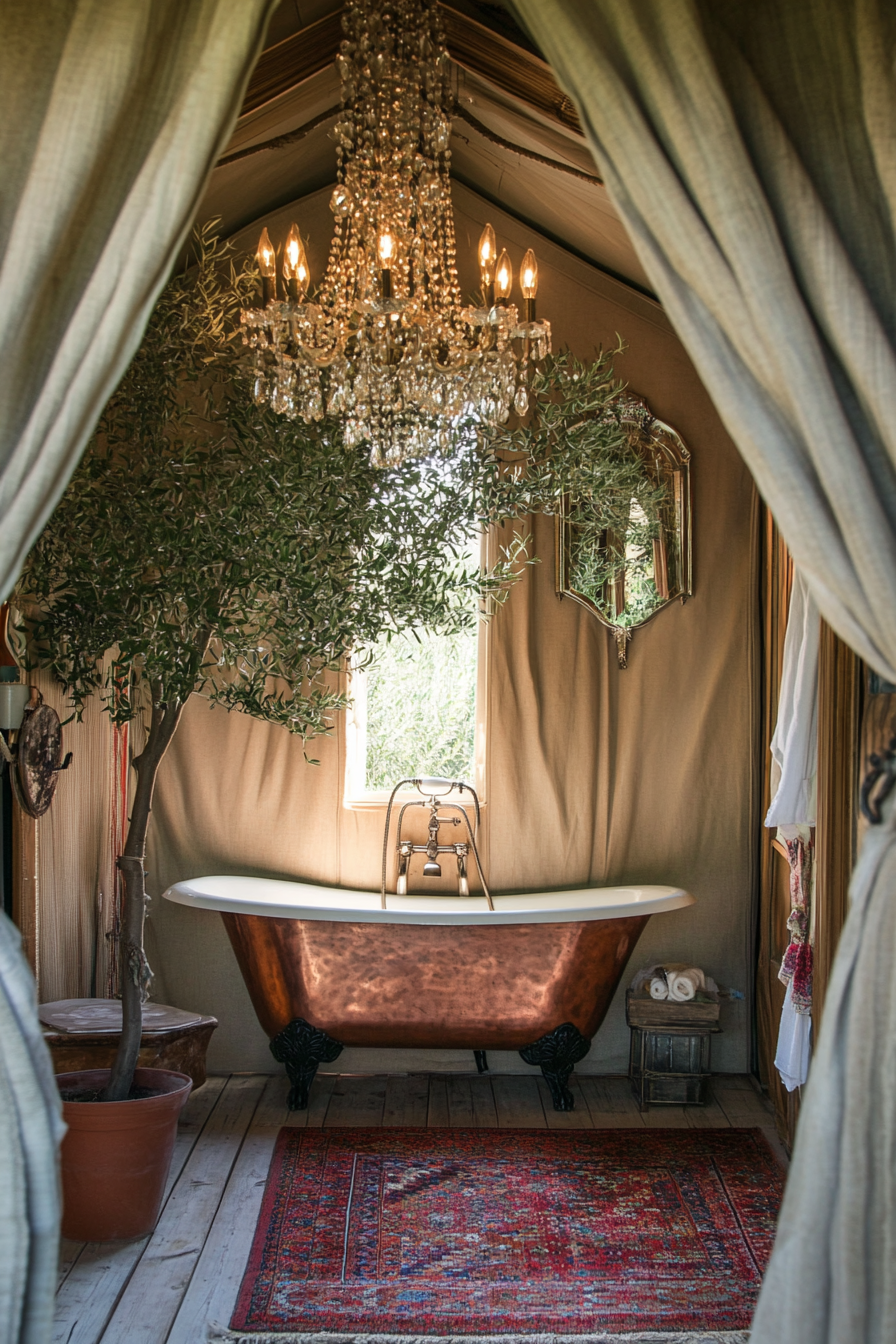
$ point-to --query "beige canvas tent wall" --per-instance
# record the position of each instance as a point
(593, 774)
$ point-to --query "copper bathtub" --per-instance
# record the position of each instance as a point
(327, 967)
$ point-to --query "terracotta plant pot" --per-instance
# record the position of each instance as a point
(116, 1155)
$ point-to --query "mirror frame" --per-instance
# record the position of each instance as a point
(663, 447)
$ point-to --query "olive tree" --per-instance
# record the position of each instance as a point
(218, 548)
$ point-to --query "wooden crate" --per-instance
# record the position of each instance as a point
(643, 1011)
(670, 1050)
(84, 1034)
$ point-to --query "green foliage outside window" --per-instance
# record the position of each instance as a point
(421, 698)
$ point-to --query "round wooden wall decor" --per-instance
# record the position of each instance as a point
(39, 759)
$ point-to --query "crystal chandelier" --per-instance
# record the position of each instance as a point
(387, 343)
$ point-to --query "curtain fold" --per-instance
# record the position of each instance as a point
(762, 209)
(750, 152)
(111, 118)
(30, 1130)
(794, 744)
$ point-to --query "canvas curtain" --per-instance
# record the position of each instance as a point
(30, 1129)
(750, 150)
(111, 117)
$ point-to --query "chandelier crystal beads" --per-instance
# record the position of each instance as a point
(386, 343)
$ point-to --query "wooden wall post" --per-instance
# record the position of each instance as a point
(840, 678)
(25, 903)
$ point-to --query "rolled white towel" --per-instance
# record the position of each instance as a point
(658, 980)
(683, 984)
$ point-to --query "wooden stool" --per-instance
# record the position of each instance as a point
(84, 1034)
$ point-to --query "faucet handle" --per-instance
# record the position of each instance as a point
(463, 883)
(433, 785)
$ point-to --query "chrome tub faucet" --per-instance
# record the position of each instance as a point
(434, 791)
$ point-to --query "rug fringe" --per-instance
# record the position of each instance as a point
(219, 1334)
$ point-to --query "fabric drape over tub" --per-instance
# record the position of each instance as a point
(750, 150)
(111, 118)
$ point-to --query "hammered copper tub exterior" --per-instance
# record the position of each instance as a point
(497, 986)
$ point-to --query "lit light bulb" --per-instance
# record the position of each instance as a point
(295, 265)
(386, 248)
(503, 277)
(291, 252)
(529, 275)
(265, 256)
(487, 253)
(266, 264)
(529, 283)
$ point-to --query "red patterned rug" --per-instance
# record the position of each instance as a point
(518, 1232)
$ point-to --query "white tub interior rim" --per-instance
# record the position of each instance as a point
(308, 900)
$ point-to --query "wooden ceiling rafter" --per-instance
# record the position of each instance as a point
(292, 61)
(508, 67)
(460, 113)
(470, 44)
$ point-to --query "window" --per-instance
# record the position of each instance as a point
(417, 710)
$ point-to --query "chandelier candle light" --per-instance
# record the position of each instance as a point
(387, 343)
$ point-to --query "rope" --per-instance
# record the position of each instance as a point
(280, 141)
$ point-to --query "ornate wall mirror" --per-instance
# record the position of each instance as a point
(625, 553)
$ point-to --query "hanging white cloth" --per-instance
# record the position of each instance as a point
(749, 150)
(794, 746)
(792, 1054)
(794, 749)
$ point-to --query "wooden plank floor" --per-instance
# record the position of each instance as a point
(167, 1288)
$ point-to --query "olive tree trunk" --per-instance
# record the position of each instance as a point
(135, 973)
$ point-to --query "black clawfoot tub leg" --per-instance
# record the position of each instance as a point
(557, 1053)
(301, 1048)
(481, 1061)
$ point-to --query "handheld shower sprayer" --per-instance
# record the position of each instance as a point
(432, 789)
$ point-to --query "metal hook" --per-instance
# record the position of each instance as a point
(883, 767)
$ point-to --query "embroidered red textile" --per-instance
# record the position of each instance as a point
(487, 1231)
(797, 962)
